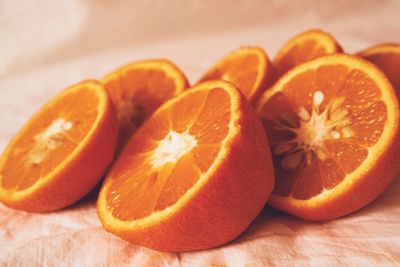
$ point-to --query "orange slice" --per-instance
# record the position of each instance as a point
(387, 58)
(62, 152)
(249, 68)
(303, 47)
(139, 88)
(193, 176)
(333, 125)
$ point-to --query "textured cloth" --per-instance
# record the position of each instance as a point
(47, 45)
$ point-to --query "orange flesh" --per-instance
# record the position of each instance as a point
(299, 53)
(139, 187)
(136, 94)
(240, 69)
(310, 157)
(20, 169)
(389, 63)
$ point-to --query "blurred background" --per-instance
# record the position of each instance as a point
(47, 45)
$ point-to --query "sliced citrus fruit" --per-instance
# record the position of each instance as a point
(333, 126)
(62, 151)
(193, 176)
(387, 58)
(303, 47)
(249, 68)
(139, 88)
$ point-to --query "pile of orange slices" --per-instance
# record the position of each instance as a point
(314, 132)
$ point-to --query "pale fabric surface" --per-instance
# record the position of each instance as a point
(48, 45)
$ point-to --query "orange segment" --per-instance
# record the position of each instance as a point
(139, 88)
(211, 126)
(387, 58)
(58, 147)
(303, 47)
(249, 68)
(194, 189)
(333, 128)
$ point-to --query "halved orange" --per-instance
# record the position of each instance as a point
(139, 88)
(303, 47)
(193, 176)
(249, 68)
(333, 126)
(387, 58)
(62, 151)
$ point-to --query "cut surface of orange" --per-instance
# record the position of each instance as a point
(387, 58)
(139, 88)
(249, 68)
(62, 151)
(333, 127)
(193, 176)
(303, 47)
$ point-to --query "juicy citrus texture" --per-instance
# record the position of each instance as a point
(333, 128)
(303, 47)
(139, 88)
(162, 170)
(62, 152)
(387, 58)
(193, 176)
(249, 68)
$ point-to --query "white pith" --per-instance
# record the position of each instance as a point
(48, 140)
(315, 127)
(173, 147)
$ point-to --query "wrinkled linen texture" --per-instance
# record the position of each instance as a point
(47, 45)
